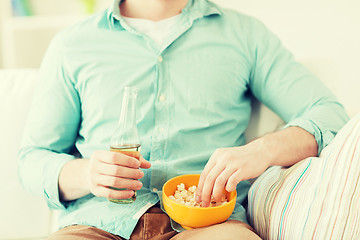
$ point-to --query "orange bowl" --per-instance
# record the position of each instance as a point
(195, 217)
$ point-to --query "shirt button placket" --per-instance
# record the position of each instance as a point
(160, 133)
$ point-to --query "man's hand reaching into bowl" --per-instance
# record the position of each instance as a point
(226, 168)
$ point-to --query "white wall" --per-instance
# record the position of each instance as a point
(316, 29)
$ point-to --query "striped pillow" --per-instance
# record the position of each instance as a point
(318, 198)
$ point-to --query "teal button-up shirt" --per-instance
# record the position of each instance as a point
(193, 97)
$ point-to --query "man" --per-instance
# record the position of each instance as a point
(195, 66)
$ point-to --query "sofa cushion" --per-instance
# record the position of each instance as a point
(318, 198)
(22, 214)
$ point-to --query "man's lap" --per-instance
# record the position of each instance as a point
(155, 225)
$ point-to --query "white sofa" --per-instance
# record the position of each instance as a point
(23, 216)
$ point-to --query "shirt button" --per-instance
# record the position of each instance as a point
(154, 189)
(162, 98)
(160, 59)
(161, 129)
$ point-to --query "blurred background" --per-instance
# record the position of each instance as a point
(321, 29)
(27, 26)
(317, 31)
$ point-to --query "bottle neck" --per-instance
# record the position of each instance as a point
(126, 133)
(128, 114)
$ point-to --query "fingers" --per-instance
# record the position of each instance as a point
(118, 171)
(116, 182)
(233, 181)
(109, 170)
(121, 159)
(223, 171)
(220, 183)
(204, 175)
(202, 179)
(210, 180)
(108, 186)
(217, 180)
(112, 193)
(143, 163)
(116, 158)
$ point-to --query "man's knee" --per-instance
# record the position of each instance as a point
(231, 229)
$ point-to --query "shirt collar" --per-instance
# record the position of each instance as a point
(195, 9)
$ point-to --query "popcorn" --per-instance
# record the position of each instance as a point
(187, 197)
(184, 194)
(177, 195)
(192, 189)
(181, 187)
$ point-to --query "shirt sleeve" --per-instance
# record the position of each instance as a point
(51, 129)
(291, 90)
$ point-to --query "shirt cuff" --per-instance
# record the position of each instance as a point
(322, 136)
(51, 172)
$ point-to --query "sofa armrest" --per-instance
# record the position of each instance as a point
(23, 216)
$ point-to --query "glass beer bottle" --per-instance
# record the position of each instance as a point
(125, 139)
